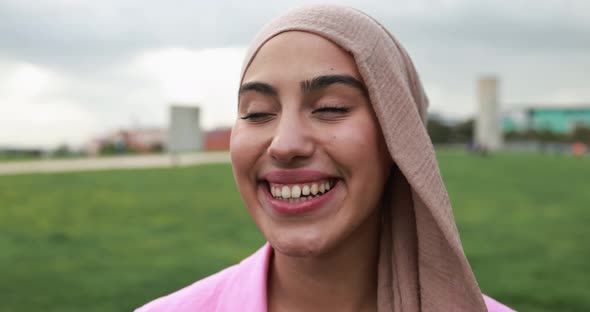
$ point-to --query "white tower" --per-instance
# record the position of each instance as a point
(488, 134)
(184, 134)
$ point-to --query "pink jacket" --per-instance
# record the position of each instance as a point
(241, 287)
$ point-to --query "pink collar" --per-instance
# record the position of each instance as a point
(246, 289)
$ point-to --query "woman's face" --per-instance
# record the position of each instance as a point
(308, 155)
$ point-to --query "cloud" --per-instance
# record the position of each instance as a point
(207, 77)
(30, 112)
(46, 108)
(89, 35)
(86, 35)
(98, 65)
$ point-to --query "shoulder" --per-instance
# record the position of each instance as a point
(201, 295)
(495, 306)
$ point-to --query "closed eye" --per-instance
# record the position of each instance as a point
(257, 117)
(332, 109)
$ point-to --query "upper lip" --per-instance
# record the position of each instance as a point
(295, 176)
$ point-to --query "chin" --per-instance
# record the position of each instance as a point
(299, 245)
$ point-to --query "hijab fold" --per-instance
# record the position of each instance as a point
(422, 266)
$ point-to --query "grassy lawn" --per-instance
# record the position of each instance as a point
(113, 240)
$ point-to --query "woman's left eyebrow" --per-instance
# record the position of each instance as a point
(260, 87)
(321, 82)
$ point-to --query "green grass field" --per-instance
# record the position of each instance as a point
(113, 240)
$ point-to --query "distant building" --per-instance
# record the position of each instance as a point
(140, 140)
(562, 120)
(185, 129)
(21, 152)
(218, 139)
(488, 135)
(184, 134)
(146, 139)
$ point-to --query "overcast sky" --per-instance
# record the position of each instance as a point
(72, 70)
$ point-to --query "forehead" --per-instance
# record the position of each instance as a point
(296, 56)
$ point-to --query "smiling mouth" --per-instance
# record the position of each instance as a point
(295, 193)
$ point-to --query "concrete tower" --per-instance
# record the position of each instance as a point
(184, 134)
(488, 134)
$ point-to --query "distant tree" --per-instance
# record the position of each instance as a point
(530, 134)
(546, 136)
(109, 148)
(63, 150)
(581, 133)
(439, 132)
(157, 148)
(512, 135)
(463, 131)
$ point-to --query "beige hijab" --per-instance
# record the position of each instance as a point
(422, 266)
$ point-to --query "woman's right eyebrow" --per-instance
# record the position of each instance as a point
(260, 87)
(322, 82)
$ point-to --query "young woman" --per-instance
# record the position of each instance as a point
(332, 159)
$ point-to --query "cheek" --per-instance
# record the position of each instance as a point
(355, 144)
(243, 155)
(247, 148)
(244, 148)
(358, 148)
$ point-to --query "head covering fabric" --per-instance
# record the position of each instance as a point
(422, 266)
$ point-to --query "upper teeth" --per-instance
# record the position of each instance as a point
(300, 190)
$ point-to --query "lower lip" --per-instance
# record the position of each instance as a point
(304, 207)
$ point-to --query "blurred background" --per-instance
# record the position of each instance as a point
(115, 183)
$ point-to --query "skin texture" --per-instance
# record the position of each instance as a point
(327, 257)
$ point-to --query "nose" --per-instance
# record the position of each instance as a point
(292, 140)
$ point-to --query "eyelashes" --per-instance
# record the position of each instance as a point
(326, 113)
(253, 116)
(332, 109)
